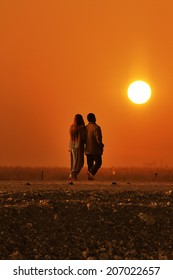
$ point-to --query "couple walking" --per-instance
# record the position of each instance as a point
(85, 139)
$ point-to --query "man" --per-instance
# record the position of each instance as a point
(94, 146)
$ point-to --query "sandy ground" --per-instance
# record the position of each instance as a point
(86, 220)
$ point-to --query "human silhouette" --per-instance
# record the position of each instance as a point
(94, 146)
(76, 146)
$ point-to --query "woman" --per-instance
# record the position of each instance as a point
(76, 147)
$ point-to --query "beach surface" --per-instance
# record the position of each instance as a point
(86, 220)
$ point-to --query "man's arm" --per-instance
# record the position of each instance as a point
(99, 138)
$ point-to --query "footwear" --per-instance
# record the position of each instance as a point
(72, 177)
(71, 183)
(90, 176)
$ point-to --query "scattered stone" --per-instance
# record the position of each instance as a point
(29, 225)
(91, 258)
(147, 218)
(114, 183)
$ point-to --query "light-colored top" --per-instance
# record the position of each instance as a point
(79, 139)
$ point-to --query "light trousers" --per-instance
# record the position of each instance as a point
(77, 161)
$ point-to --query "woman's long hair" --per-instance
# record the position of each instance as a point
(76, 126)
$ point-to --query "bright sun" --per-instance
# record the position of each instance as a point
(139, 92)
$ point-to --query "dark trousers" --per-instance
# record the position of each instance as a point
(94, 162)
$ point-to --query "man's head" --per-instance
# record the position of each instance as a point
(91, 118)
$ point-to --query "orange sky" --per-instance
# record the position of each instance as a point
(62, 57)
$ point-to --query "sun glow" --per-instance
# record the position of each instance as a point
(139, 92)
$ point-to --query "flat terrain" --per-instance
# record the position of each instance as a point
(86, 220)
